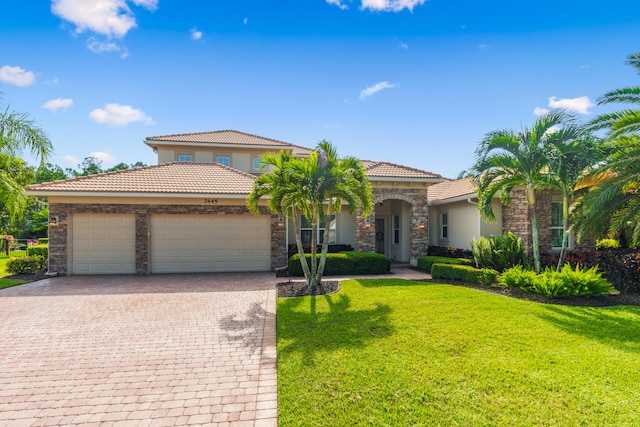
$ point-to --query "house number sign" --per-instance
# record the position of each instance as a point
(210, 201)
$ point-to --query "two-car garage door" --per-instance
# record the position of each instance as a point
(105, 243)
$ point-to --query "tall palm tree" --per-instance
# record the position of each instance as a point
(613, 202)
(17, 134)
(623, 122)
(573, 153)
(316, 187)
(506, 159)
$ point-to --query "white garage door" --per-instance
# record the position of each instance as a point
(210, 243)
(103, 244)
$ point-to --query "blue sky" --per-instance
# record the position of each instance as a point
(412, 82)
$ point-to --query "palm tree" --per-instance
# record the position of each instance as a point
(506, 159)
(17, 134)
(627, 121)
(613, 202)
(316, 187)
(572, 154)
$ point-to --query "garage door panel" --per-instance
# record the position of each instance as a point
(103, 244)
(210, 243)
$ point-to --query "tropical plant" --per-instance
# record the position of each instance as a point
(571, 157)
(627, 121)
(506, 159)
(316, 188)
(17, 134)
(498, 252)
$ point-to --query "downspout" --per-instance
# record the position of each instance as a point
(479, 218)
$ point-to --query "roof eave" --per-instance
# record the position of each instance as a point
(53, 193)
(404, 179)
(154, 143)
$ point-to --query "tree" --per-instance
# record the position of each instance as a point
(572, 155)
(623, 122)
(17, 134)
(48, 172)
(316, 187)
(506, 159)
(613, 202)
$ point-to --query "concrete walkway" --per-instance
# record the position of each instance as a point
(156, 350)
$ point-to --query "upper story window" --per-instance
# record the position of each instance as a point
(444, 226)
(224, 160)
(182, 157)
(257, 162)
(557, 226)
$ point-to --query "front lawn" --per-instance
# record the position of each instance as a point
(7, 283)
(389, 352)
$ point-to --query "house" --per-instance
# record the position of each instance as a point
(454, 219)
(188, 213)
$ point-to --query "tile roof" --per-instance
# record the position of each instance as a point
(451, 189)
(391, 170)
(166, 178)
(228, 137)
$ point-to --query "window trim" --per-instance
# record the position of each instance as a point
(253, 163)
(228, 157)
(191, 157)
(558, 227)
(444, 225)
(320, 230)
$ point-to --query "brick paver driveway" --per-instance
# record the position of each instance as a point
(139, 351)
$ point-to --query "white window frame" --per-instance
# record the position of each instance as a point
(444, 225)
(182, 157)
(558, 227)
(396, 229)
(226, 159)
(319, 231)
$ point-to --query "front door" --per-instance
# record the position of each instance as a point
(380, 236)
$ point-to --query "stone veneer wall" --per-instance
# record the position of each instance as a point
(58, 236)
(516, 218)
(419, 237)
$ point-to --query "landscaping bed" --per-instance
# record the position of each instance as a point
(299, 288)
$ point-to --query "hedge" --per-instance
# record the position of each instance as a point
(26, 264)
(42, 251)
(464, 273)
(425, 262)
(345, 263)
(449, 252)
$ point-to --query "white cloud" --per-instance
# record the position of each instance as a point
(58, 104)
(17, 76)
(579, 105)
(70, 160)
(111, 18)
(245, 21)
(552, 129)
(338, 3)
(103, 157)
(391, 5)
(404, 46)
(195, 34)
(540, 111)
(119, 115)
(97, 46)
(375, 88)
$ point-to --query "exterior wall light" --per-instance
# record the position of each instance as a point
(53, 221)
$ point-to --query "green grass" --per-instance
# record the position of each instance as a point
(389, 352)
(7, 283)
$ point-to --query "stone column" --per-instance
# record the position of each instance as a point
(278, 241)
(419, 229)
(365, 232)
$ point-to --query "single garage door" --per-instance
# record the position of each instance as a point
(103, 244)
(210, 243)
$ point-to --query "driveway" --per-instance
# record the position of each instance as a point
(152, 350)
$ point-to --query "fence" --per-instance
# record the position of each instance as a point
(18, 247)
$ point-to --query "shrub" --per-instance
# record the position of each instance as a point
(345, 263)
(464, 273)
(579, 282)
(607, 244)
(498, 252)
(517, 277)
(26, 264)
(42, 251)
(444, 251)
(43, 240)
(425, 262)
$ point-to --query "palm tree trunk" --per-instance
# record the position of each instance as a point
(314, 247)
(565, 231)
(325, 243)
(531, 200)
(303, 259)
